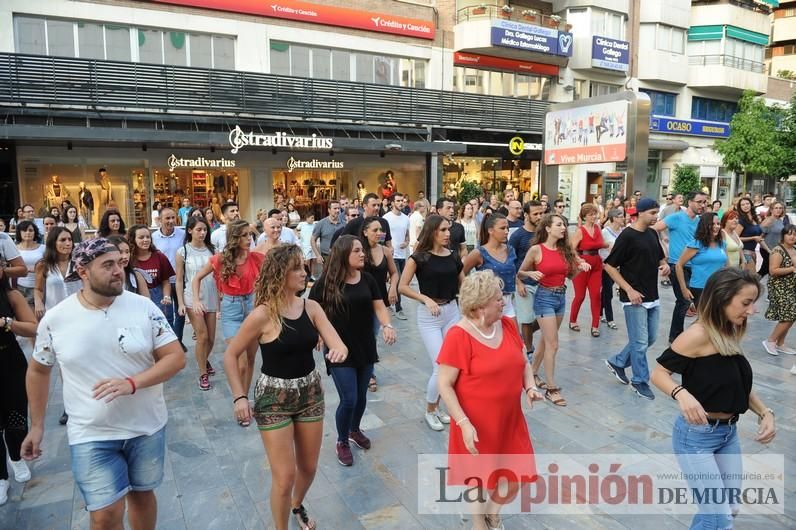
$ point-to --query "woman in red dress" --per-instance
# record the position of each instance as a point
(587, 241)
(482, 376)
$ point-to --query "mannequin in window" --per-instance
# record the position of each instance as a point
(56, 192)
(361, 191)
(389, 187)
(86, 204)
(106, 193)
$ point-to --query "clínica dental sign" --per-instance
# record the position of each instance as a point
(239, 139)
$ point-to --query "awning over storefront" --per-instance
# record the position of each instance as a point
(668, 145)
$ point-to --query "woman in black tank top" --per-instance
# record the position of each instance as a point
(351, 298)
(288, 398)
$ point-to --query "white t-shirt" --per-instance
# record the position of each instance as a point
(169, 245)
(287, 236)
(89, 346)
(31, 257)
(8, 250)
(399, 226)
(219, 238)
(416, 221)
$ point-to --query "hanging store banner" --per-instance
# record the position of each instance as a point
(319, 14)
(584, 135)
(610, 54)
(486, 62)
(711, 129)
(531, 38)
(239, 139)
(175, 162)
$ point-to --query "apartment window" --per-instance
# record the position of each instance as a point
(789, 12)
(579, 91)
(300, 61)
(608, 24)
(662, 37)
(322, 63)
(341, 65)
(661, 103)
(364, 66)
(789, 49)
(494, 83)
(712, 109)
(602, 89)
(97, 40)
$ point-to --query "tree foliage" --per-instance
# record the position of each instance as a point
(469, 190)
(754, 143)
(787, 137)
(686, 179)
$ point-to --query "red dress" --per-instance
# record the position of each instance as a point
(490, 391)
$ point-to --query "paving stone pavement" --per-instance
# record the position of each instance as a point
(216, 474)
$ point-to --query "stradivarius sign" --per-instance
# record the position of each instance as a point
(293, 163)
(239, 139)
(176, 163)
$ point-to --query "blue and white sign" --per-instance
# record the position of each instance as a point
(666, 125)
(610, 54)
(531, 38)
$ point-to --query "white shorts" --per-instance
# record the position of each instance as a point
(508, 306)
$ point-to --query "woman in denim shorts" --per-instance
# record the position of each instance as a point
(288, 397)
(550, 261)
(235, 270)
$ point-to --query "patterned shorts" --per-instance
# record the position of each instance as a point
(280, 402)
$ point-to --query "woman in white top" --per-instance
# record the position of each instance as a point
(51, 289)
(155, 223)
(416, 221)
(467, 220)
(194, 254)
(614, 224)
(27, 237)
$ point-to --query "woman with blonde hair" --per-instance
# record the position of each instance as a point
(716, 388)
(550, 261)
(235, 271)
(483, 375)
(288, 400)
(732, 243)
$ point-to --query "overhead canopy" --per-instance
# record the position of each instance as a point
(668, 145)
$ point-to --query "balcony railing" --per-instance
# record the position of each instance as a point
(515, 13)
(67, 83)
(728, 61)
(749, 5)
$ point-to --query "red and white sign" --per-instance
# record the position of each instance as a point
(499, 63)
(319, 14)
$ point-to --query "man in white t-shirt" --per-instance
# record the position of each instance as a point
(114, 349)
(218, 238)
(416, 221)
(399, 228)
(11, 263)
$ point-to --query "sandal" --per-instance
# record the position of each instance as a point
(372, 386)
(612, 325)
(574, 327)
(550, 392)
(539, 382)
(494, 522)
(304, 521)
(595, 332)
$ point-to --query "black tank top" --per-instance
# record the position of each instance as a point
(289, 356)
(379, 273)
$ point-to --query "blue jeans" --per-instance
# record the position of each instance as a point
(173, 317)
(105, 471)
(642, 326)
(234, 310)
(681, 305)
(352, 387)
(156, 295)
(710, 458)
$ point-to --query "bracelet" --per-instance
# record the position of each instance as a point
(462, 420)
(535, 389)
(388, 326)
(674, 394)
(239, 398)
(674, 390)
(132, 384)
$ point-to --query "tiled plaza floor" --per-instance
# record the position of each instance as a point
(217, 476)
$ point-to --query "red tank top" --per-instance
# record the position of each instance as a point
(553, 266)
(589, 241)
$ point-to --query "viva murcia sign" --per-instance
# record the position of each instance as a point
(176, 163)
(293, 163)
(239, 139)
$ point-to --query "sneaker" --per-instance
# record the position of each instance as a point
(210, 369)
(793, 369)
(204, 382)
(344, 455)
(770, 347)
(21, 470)
(4, 485)
(400, 315)
(786, 350)
(443, 417)
(64, 418)
(359, 439)
(433, 421)
(643, 390)
(619, 373)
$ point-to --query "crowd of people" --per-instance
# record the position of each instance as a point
(486, 276)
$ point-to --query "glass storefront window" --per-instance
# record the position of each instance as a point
(204, 187)
(494, 175)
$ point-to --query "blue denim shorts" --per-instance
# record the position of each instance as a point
(547, 303)
(234, 310)
(105, 471)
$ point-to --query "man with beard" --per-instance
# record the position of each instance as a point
(114, 349)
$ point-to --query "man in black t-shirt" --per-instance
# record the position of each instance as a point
(634, 263)
(456, 244)
(370, 203)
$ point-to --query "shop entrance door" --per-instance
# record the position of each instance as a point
(594, 183)
(612, 186)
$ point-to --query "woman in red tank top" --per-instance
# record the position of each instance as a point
(587, 241)
(550, 261)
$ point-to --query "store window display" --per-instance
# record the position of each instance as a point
(493, 175)
(203, 187)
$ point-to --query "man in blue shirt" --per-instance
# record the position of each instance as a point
(521, 240)
(681, 227)
(184, 211)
